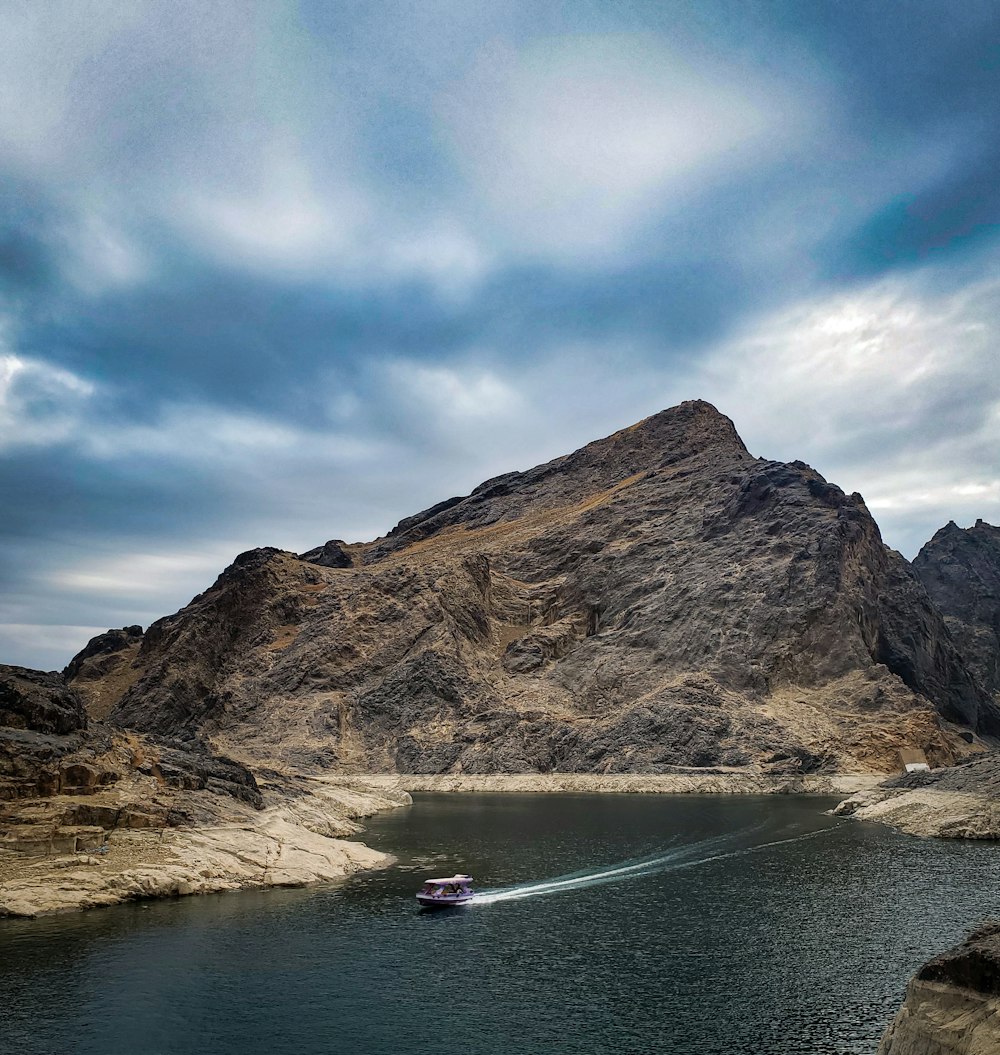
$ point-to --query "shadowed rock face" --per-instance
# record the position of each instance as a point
(47, 749)
(974, 965)
(960, 569)
(38, 701)
(659, 598)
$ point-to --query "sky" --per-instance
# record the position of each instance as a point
(278, 272)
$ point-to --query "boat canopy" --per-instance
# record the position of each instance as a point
(448, 882)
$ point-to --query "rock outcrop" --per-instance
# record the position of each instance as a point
(952, 1004)
(34, 700)
(960, 569)
(958, 802)
(91, 815)
(104, 669)
(658, 598)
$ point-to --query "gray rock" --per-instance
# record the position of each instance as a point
(960, 569)
(39, 701)
(658, 598)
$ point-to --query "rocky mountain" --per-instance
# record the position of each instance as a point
(659, 598)
(960, 570)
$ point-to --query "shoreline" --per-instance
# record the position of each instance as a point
(310, 839)
(292, 843)
(690, 783)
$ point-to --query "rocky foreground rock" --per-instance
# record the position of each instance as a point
(91, 815)
(956, 802)
(952, 1004)
(659, 598)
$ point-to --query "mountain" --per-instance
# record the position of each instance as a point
(658, 598)
(960, 570)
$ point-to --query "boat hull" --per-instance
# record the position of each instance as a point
(444, 902)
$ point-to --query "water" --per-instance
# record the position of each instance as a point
(614, 923)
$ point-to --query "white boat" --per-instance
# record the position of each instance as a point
(446, 893)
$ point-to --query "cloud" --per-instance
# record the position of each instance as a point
(891, 389)
(45, 646)
(453, 393)
(574, 140)
(40, 404)
(280, 278)
(144, 575)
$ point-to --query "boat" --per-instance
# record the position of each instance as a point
(446, 893)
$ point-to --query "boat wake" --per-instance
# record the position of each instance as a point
(688, 855)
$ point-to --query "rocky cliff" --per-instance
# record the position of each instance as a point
(90, 815)
(659, 598)
(952, 1004)
(960, 570)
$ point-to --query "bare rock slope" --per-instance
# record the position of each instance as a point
(960, 569)
(952, 1004)
(91, 815)
(659, 598)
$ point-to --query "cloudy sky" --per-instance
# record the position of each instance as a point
(276, 272)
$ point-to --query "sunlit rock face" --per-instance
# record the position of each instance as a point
(658, 598)
(952, 1004)
(960, 569)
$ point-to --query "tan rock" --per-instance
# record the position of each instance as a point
(283, 845)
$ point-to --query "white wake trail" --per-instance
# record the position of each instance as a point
(689, 855)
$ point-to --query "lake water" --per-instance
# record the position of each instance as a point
(617, 923)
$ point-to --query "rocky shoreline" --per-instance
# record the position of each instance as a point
(301, 835)
(716, 782)
(960, 802)
(952, 1004)
(292, 842)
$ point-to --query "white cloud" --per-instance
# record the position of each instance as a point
(453, 393)
(278, 217)
(101, 256)
(892, 390)
(575, 140)
(444, 254)
(40, 404)
(45, 646)
(143, 574)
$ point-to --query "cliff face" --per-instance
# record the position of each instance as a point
(658, 598)
(91, 816)
(952, 1004)
(960, 569)
(34, 700)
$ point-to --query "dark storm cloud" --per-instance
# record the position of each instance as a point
(947, 219)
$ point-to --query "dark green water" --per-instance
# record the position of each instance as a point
(757, 926)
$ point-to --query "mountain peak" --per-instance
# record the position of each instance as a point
(690, 426)
(691, 429)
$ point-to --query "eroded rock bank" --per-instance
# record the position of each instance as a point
(92, 816)
(952, 1004)
(733, 782)
(957, 802)
(296, 842)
